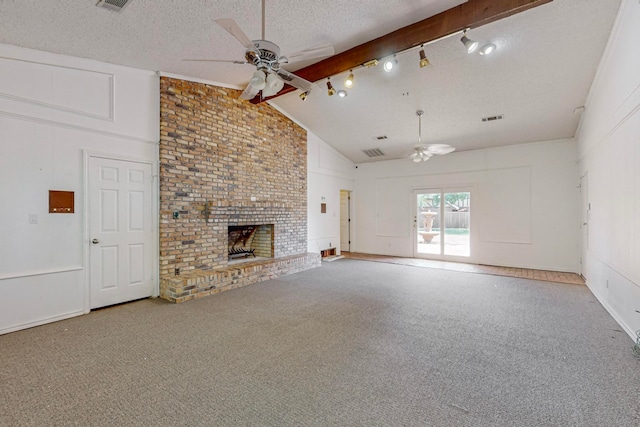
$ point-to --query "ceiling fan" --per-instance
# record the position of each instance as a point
(425, 152)
(269, 77)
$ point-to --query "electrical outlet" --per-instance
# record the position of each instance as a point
(33, 218)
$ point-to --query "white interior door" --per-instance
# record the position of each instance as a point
(121, 236)
(345, 220)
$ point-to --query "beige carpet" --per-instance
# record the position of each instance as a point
(352, 343)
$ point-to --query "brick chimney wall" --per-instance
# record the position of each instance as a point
(216, 153)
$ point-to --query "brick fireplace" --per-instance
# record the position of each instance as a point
(227, 163)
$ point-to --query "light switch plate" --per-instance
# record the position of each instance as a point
(33, 218)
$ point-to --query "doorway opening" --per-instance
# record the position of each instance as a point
(345, 221)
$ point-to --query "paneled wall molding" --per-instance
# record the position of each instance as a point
(41, 272)
(46, 75)
(58, 107)
(76, 127)
(619, 270)
(616, 120)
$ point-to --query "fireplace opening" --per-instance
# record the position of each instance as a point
(247, 242)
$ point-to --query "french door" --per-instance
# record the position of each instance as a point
(442, 223)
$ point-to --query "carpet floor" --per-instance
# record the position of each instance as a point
(352, 343)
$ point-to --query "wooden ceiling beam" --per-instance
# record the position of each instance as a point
(472, 14)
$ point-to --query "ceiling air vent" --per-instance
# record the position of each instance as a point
(374, 152)
(114, 5)
(492, 118)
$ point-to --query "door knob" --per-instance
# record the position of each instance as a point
(95, 241)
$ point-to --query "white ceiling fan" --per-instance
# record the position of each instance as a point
(269, 77)
(425, 152)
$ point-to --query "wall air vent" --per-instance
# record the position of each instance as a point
(380, 138)
(374, 152)
(113, 5)
(492, 118)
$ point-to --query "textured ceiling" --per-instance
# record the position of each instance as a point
(542, 71)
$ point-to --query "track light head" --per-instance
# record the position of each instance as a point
(330, 90)
(349, 82)
(390, 63)
(471, 45)
(487, 49)
(424, 62)
(304, 95)
(342, 93)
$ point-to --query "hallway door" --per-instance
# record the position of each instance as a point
(345, 221)
(121, 236)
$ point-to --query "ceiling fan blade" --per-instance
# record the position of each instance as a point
(314, 52)
(216, 60)
(295, 81)
(439, 149)
(249, 92)
(234, 29)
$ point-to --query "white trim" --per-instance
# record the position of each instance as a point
(612, 312)
(76, 127)
(41, 272)
(197, 80)
(41, 322)
(111, 77)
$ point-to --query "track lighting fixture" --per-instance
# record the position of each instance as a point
(342, 93)
(471, 45)
(304, 95)
(390, 63)
(487, 49)
(330, 90)
(424, 62)
(349, 82)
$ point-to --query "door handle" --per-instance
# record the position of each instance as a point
(95, 241)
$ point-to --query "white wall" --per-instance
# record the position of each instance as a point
(524, 206)
(609, 151)
(53, 109)
(328, 172)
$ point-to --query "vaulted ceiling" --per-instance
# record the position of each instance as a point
(541, 72)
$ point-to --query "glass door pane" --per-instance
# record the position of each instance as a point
(457, 230)
(428, 223)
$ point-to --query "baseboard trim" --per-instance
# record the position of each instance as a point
(613, 313)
